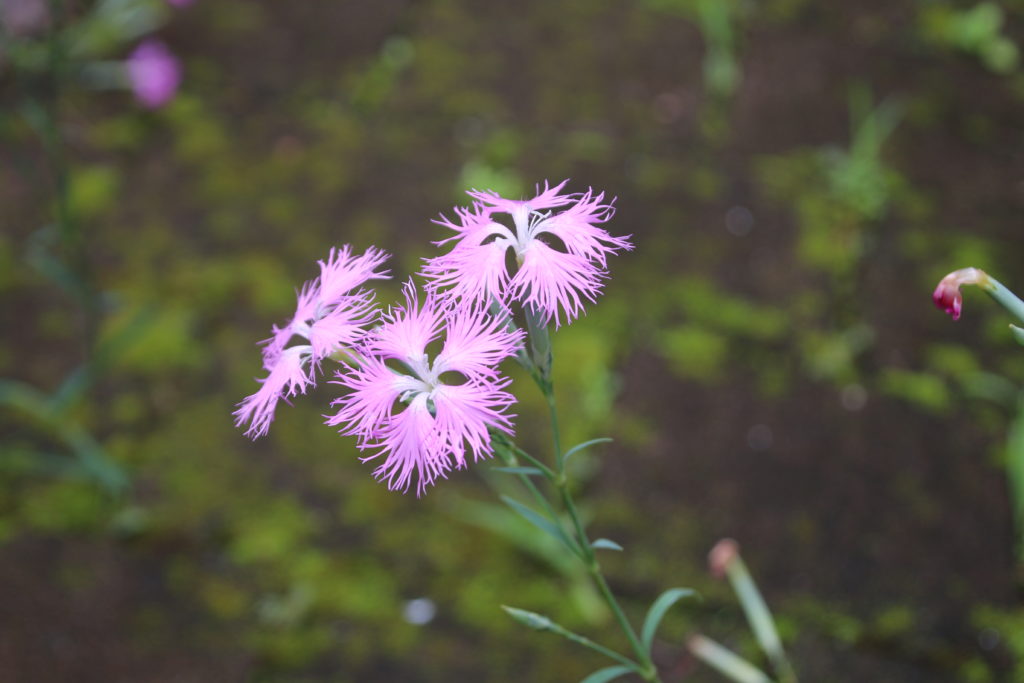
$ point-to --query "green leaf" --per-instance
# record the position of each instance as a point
(657, 612)
(540, 521)
(32, 403)
(1018, 334)
(583, 445)
(725, 661)
(528, 471)
(542, 623)
(607, 674)
(535, 621)
(607, 544)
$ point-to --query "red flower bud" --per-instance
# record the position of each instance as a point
(947, 295)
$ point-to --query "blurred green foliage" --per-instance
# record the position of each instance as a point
(283, 557)
(975, 30)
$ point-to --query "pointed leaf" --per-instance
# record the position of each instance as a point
(725, 661)
(607, 544)
(657, 612)
(540, 521)
(528, 471)
(607, 674)
(542, 623)
(585, 444)
(1018, 334)
(531, 619)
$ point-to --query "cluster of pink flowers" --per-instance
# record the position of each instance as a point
(421, 414)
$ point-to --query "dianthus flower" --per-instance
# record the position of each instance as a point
(154, 73)
(422, 415)
(330, 315)
(559, 247)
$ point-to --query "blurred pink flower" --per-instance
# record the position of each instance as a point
(560, 251)
(154, 73)
(423, 418)
(180, 3)
(24, 17)
(947, 295)
(330, 316)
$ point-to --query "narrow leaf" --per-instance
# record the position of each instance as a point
(725, 661)
(608, 674)
(585, 444)
(528, 471)
(540, 521)
(606, 543)
(531, 619)
(758, 615)
(542, 623)
(1018, 334)
(657, 612)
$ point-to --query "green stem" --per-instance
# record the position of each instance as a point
(587, 642)
(71, 238)
(648, 672)
(543, 623)
(534, 461)
(1005, 297)
(542, 501)
(555, 435)
(509, 453)
(760, 618)
(594, 569)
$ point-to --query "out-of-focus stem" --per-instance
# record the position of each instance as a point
(725, 661)
(72, 243)
(542, 623)
(1010, 301)
(725, 558)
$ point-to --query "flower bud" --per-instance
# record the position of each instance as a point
(722, 555)
(947, 295)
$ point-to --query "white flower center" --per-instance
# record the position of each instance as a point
(427, 378)
(528, 225)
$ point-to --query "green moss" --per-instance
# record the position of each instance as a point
(922, 389)
(694, 352)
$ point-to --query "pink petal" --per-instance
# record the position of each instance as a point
(408, 329)
(374, 389)
(411, 449)
(476, 342)
(464, 414)
(555, 283)
(287, 377)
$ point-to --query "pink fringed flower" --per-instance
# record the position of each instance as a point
(560, 250)
(154, 73)
(422, 416)
(330, 315)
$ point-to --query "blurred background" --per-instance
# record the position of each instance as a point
(797, 177)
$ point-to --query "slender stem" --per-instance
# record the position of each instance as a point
(543, 502)
(555, 435)
(508, 452)
(594, 569)
(534, 461)
(587, 642)
(760, 618)
(725, 661)
(1010, 301)
(71, 238)
(649, 672)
